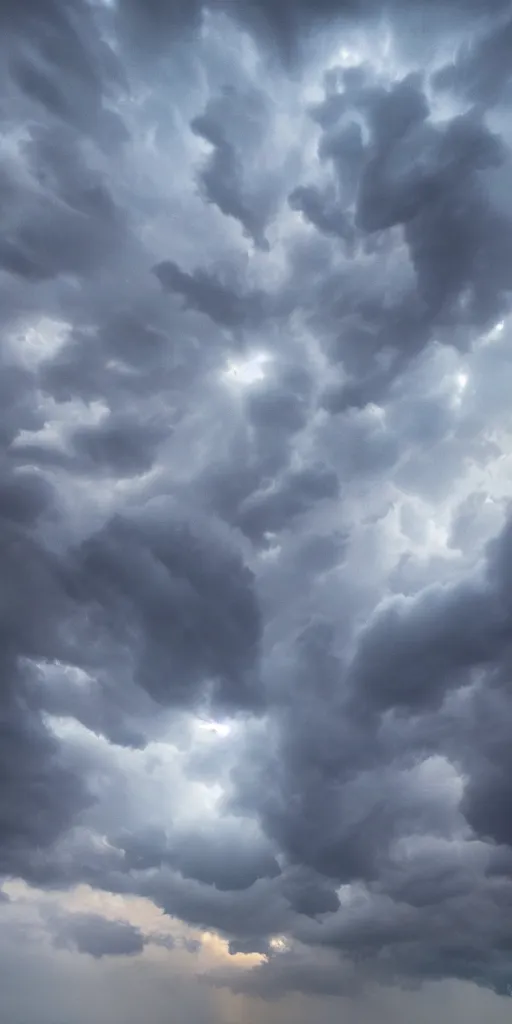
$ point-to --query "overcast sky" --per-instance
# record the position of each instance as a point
(255, 511)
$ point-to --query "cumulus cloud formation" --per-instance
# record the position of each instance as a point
(255, 520)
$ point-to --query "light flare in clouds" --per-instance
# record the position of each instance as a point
(242, 373)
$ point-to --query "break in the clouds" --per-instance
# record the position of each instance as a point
(255, 528)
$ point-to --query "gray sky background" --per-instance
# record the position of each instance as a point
(255, 530)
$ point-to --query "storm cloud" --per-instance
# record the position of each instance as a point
(255, 519)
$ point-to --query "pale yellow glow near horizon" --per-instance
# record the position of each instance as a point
(136, 911)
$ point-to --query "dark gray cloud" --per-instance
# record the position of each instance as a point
(285, 29)
(224, 857)
(118, 444)
(443, 632)
(481, 68)
(278, 505)
(203, 292)
(184, 600)
(40, 795)
(159, 18)
(255, 541)
(322, 210)
(97, 936)
(232, 124)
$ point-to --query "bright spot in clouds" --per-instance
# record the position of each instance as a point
(495, 333)
(244, 372)
(460, 383)
(221, 729)
(39, 341)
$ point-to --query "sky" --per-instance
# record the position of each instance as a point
(255, 511)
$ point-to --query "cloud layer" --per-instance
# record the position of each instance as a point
(255, 532)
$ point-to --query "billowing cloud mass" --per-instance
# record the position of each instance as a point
(255, 499)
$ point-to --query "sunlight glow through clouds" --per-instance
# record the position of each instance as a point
(221, 729)
(378, 49)
(244, 372)
(38, 341)
(461, 383)
(495, 333)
